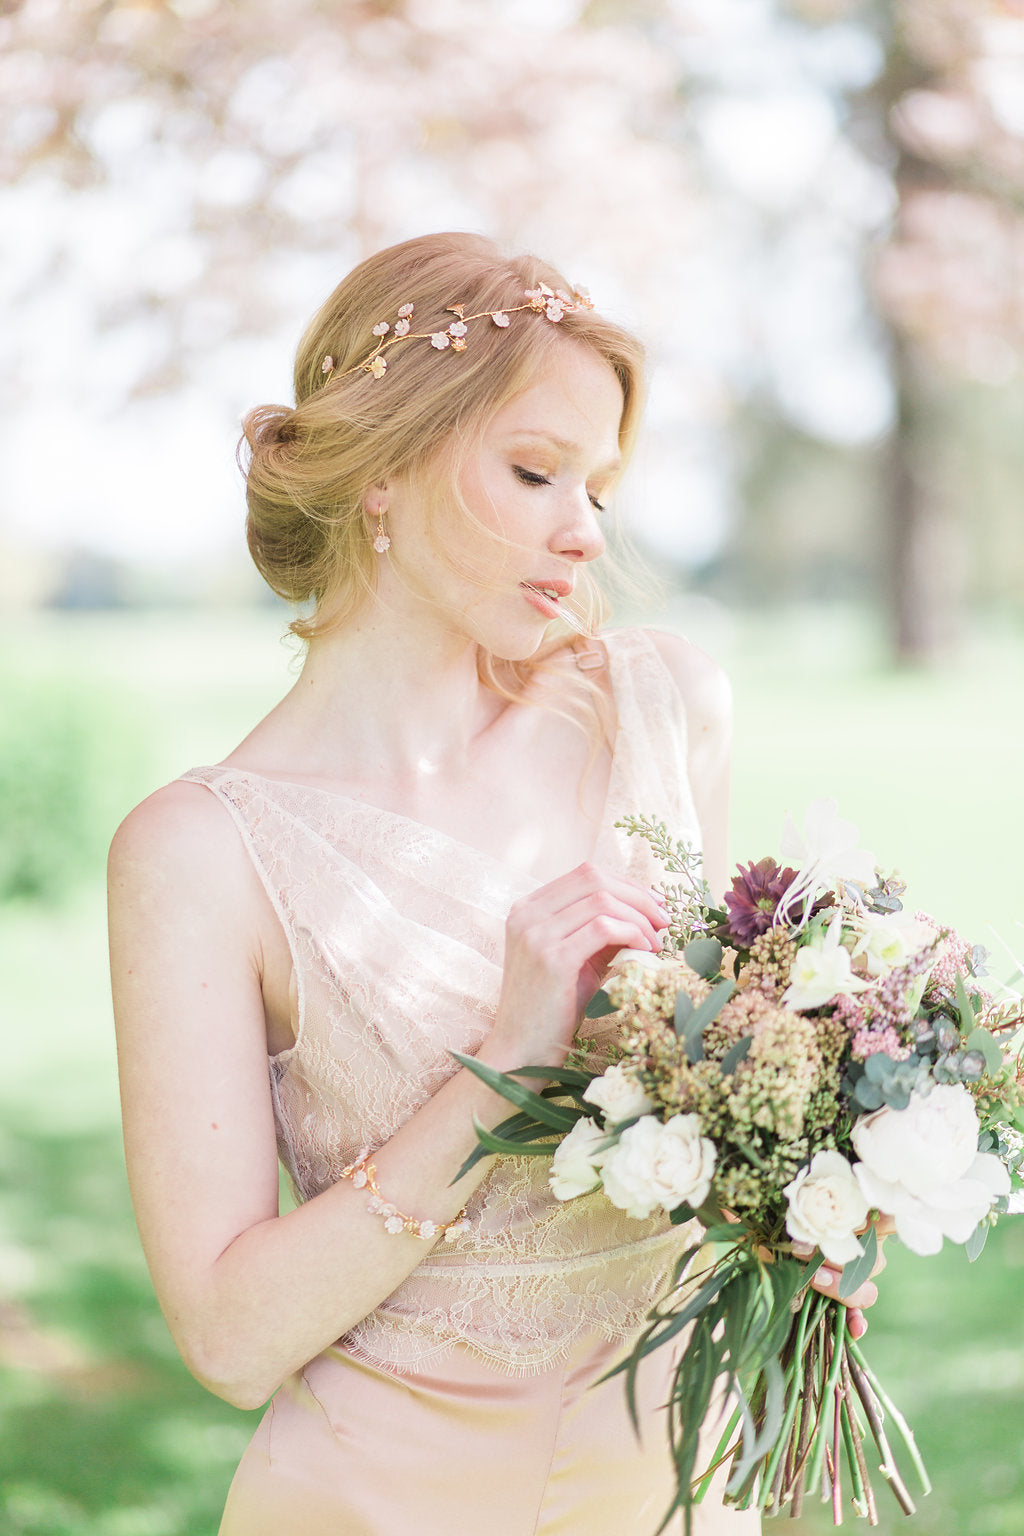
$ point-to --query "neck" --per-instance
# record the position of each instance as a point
(379, 697)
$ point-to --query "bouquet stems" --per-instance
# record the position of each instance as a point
(804, 1397)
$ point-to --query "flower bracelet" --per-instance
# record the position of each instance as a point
(364, 1176)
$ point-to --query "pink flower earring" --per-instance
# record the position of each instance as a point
(381, 542)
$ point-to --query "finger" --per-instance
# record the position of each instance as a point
(603, 904)
(827, 1280)
(584, 880)
(598, 938)
(857, 1323)
(546, 938)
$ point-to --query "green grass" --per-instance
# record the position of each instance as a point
(102, 1432)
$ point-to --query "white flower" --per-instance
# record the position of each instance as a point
(440, 340)
(573, 1167)
(458, 328)
(921, 1165)
(618, 1095)
(826, 854)
(888, 940)
(500, 318)
(822, 971)
(656, 1164)
(402, 327)
(826, 1207)
(381, 328)
(405, 311)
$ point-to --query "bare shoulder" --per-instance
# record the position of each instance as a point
(179, 839)
(703, 684)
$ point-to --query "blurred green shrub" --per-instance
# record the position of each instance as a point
(62, 778)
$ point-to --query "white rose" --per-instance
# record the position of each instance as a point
(887, 941)
(618, 1095)
(826, 1206)
(573, 1167)
(921, 1165)
(656, 1164)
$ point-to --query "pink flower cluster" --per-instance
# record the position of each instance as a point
(874, 1038)
(871, 1031)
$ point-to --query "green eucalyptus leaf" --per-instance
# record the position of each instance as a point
(980, 1040)
(559, 1117)
(735, 1054)
(964, 1008)
(724, 1232)
(515, 1146)
(867, 1095)
(704, 1014)
(704, 956)
(568, 1077)
(977, 1240)
(859, 1269)
(600, 1005)
(878, 1067)
(684, 1011)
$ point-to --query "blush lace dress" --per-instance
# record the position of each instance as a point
(466, 1402)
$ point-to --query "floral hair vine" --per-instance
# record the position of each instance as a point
(552, 303)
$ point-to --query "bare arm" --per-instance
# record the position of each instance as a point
(707, 699)
(189, 923)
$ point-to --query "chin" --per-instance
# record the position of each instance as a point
(512, 645)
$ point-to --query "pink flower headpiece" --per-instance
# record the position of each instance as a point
(552, 303)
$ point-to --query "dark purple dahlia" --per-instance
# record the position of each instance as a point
(752, 901)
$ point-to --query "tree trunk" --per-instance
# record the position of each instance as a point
(923, 564)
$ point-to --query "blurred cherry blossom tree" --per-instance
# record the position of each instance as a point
(812, 209)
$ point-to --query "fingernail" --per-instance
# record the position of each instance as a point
(826, 1276)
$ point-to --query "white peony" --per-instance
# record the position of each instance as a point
(618, 1095)
(921, 1165)
(573, 1167)
(826, 1207)
(655, 1164)
(887, 941)
(822, 971)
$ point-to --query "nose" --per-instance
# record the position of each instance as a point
(580, 536)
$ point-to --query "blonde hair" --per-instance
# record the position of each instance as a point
(308, 468)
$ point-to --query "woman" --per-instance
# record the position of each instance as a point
(414, 853)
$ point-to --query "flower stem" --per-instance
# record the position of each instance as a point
(872, 1407)
(835, 1364)
(905, 1431)
(722, 1453)
(863, 1493)
(795, 1369)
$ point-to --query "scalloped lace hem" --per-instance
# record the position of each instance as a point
(405, 1352)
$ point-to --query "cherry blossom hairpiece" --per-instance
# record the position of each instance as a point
(552, 303)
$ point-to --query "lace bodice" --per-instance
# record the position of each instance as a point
(396, 934)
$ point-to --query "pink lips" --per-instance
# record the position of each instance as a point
(544, 596)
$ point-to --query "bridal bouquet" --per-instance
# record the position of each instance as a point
(793, 1064)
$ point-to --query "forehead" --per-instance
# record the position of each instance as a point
(575, 402)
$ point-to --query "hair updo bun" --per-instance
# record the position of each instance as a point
(308, 469)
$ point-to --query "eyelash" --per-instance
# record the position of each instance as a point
(530, 477)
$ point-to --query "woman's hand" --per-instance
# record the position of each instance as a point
(559, 941)
(827, 1277)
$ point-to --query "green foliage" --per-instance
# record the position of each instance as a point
(62, 766)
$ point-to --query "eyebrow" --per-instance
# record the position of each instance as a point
(566, 445)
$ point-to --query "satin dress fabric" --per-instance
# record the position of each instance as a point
(470, 1401)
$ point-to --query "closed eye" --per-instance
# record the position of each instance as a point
(529, 476)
